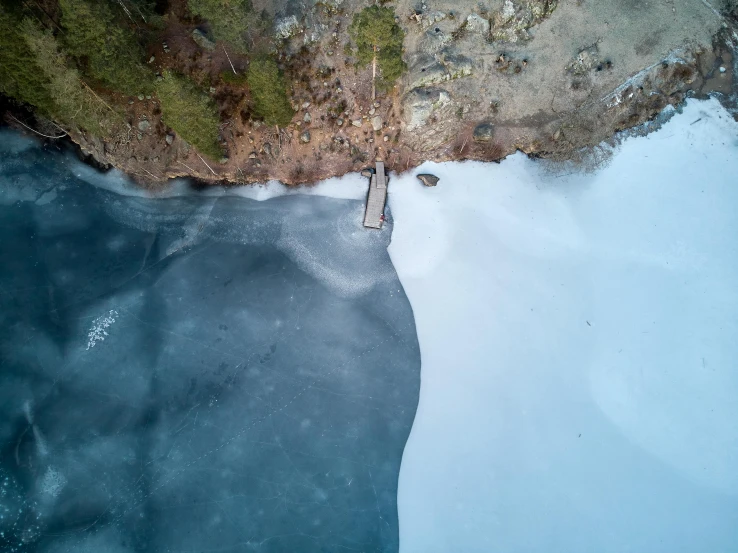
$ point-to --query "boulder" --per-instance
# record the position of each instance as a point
(286, 27)
(419, 103)
(477, 24)
(377, 123)
(203, 41)
(484, 132)
(428, 180)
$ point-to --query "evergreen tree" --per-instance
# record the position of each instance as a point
(379, 40)
(106, 48)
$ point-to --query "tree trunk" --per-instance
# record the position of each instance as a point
(374, 74)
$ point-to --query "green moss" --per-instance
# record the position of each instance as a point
(190, 112)
(233, 79)
(376, 33)
(107, 49)
(269, 92)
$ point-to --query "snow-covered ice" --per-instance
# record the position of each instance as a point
(579, 384)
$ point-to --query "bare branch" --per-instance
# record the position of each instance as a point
(206, 164)
(35, 131)
(229, 60)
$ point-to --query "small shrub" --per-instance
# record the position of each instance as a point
(190, 112)
(269, 92)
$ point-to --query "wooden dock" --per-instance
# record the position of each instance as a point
(374, 215)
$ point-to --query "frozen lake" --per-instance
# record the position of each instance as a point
(195, 373)
(240, 371)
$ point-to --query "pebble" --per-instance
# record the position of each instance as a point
(377, 123)
(356, 122)
(141, 97)
(307, 118)
(151, 59)
(305, 137)
(722, 69)
(306, 105)
(372, 111)
(144, 125)
(339, 122)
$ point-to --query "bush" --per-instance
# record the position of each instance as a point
(107, 49)
(230, 20)
(269, 92)
(377, 34)
(190, 112)
(20, 76)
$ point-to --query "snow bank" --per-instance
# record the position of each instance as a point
(578, 339)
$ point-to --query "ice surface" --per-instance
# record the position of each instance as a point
(195, 372)
(578, 339)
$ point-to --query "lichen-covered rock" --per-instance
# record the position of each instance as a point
(477, 24)
(484, 132)
(286, 27)
(203, 41)
(458, 66)
(429, 74)
(584, 62)
(419, 103)
(512, 22)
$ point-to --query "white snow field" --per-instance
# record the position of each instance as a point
(579, 343)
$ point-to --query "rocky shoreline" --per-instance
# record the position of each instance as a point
(551, 79)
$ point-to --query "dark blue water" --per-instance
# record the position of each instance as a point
(195, 373)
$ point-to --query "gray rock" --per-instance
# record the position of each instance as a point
(141, 97)
(203, 41)
(372, 111)
(307, 118)
(356, 122)
(458, 66)
(339, 122)
(286, 27)
(144, 125)
(428, 180)
(170, 139)
(419, 103)
(484, 132)
(305, 137)
(377, 123)
(477, 24)
(267, 149)
(367, 173)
